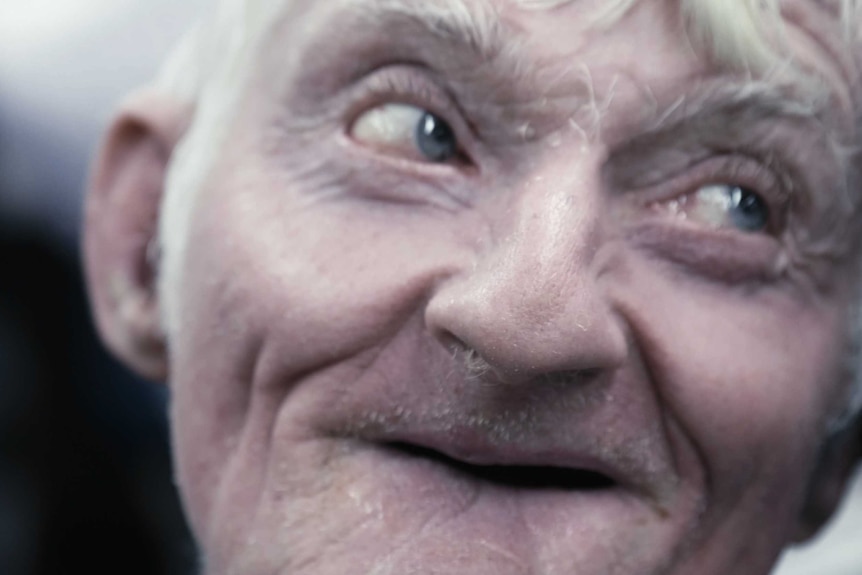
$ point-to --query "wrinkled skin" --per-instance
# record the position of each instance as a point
(551, 297)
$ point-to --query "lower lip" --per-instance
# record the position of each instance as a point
(424, 483)
(419, 515)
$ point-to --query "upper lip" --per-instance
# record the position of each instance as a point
(477, 448)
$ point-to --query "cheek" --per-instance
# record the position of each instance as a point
(277, 284)
(748, 376)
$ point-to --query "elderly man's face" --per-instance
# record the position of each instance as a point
(548, 300)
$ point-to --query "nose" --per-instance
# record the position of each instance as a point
(534, 302)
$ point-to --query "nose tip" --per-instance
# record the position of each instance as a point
(505, 369)
(514, 329)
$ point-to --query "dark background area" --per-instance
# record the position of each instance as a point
(84, 468)
(85, 471)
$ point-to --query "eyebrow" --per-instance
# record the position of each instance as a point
(727, 112)
(473, 25)
(727, 117)
(464, 41)
(746, 102)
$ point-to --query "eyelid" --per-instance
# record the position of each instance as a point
(413, 86)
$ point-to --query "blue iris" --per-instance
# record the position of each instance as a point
(748, 211)
(435, 139)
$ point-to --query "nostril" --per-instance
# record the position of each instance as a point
(474, 366)
(451, 342)
(568, 377)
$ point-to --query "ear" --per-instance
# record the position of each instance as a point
(121, 225)
(838, 459)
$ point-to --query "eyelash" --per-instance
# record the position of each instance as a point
(410, 85)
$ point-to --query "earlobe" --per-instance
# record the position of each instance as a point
(837, 461)
(121, 229)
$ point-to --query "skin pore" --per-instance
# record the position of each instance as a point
(546, 298)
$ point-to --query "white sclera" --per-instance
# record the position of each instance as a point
(389, 126)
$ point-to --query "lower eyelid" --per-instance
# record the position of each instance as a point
(720, 255)
(405, 182)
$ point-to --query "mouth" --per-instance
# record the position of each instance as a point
(508, 500)
(512, 476)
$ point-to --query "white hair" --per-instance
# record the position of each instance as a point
(737, 33)
(206, 70)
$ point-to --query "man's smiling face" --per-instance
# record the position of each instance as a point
(535, 298)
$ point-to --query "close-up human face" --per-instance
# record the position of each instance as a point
(511, 292)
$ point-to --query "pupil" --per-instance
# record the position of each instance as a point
(750, 213)
(435, 139)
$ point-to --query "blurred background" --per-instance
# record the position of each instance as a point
(85, 478)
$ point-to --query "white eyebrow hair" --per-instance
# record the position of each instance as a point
(477, 22)
(717, 114)
(768, 99)
(473, 23)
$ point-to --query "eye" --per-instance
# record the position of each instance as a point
(407, 131)
(724, 206)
